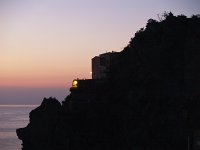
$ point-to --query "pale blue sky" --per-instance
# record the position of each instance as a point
(45, 44)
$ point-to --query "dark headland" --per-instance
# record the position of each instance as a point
(148, 100)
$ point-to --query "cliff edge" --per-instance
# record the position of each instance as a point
(149, 101)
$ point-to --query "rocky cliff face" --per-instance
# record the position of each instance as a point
(150, 101)
(39, 134)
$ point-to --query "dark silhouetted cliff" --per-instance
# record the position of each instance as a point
(150, 101)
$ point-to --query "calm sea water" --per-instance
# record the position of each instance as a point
(11, 118)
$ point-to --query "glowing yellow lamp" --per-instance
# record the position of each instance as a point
(74, 83)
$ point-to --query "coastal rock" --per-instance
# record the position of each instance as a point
(40, 132)
(149, 101)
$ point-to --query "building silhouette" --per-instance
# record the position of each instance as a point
(101, 64)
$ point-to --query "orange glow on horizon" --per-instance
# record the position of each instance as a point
(38, 73)
(36, 81)
(50, 43)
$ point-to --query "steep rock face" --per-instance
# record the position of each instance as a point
(160, 69)
(40, 132)
(149, 102)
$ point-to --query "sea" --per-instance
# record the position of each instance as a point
(11, 118)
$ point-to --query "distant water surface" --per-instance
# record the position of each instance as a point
(11, 118)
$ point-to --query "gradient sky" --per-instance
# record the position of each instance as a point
(45, 44)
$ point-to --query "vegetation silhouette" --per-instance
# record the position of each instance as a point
(150, 101)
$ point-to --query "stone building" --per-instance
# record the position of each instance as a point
(101, 64)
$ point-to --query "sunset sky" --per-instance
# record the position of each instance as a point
(45, 44)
